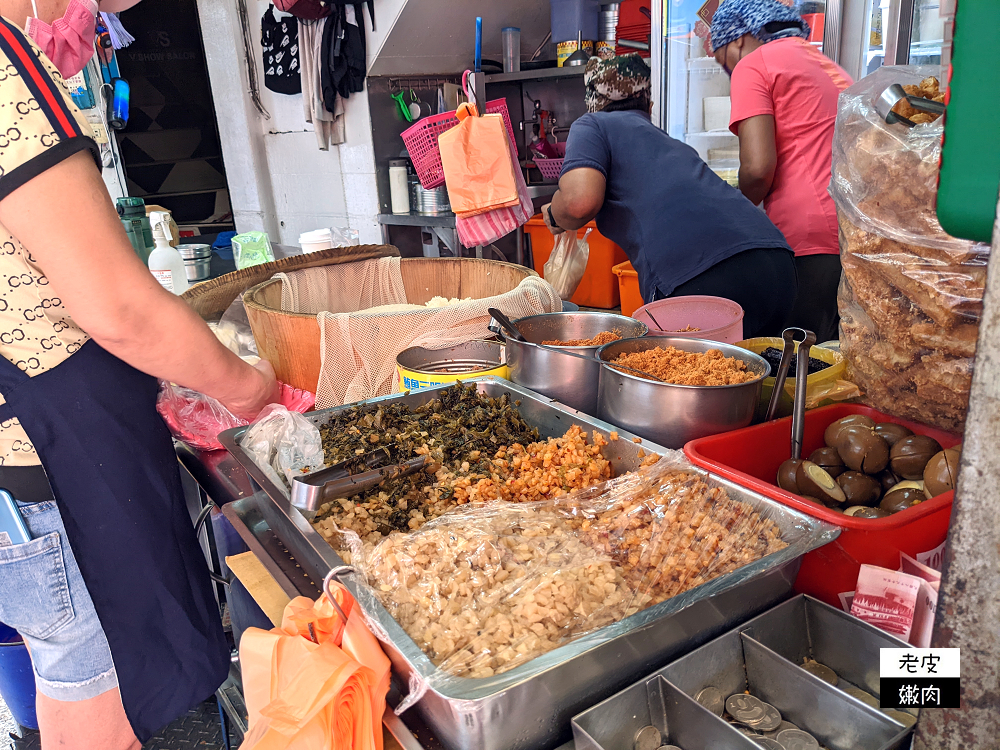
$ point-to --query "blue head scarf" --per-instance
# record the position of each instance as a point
(734, 18)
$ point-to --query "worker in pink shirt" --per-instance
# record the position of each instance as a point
(784, 105)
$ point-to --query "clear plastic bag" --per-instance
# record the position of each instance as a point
(485, 588)
(196, 419)
(283, 444)
(252, 249)
(345, 237)
(233, 330)
(568, 262)
(911, 295)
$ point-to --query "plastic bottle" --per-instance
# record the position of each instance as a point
(133, 215)
(399, 186)
(511, 38)
(165, 262)
(574, 17)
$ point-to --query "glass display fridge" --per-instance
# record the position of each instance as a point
(691, 91)
(903, 32)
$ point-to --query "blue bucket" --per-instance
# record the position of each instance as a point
(17, 680)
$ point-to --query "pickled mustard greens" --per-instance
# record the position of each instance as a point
(459, 430)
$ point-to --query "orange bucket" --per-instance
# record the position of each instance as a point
(628, 285)
(597, 287)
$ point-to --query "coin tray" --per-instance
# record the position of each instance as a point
(806, 628)
(613, 724)
(744, 660)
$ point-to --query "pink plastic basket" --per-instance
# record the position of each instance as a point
(421, 141)
(552, 168)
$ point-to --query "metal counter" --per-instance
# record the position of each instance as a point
(468, 713)
(224, 481)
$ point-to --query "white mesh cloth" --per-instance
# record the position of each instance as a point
(359, 349)
(342, 288)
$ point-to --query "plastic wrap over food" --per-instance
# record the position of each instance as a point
(911, 295)
(483, 589)
(283, 444)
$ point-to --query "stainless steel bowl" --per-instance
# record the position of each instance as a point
(567, 379)
(669, 414)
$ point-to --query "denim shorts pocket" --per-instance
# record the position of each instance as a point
(36, 599)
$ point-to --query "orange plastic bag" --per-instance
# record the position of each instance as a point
(314, 684)
(477, 164)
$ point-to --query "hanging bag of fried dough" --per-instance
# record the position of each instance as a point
(911, 296)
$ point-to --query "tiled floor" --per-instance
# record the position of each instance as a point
(7, 726)
(198, 730)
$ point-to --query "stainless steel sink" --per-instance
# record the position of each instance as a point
(541, 191)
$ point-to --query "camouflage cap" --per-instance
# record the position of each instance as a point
(614, 80)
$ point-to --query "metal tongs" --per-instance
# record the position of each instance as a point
(351, 477)
(806, 340)
(895, 94)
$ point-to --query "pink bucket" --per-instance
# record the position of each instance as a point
(716, 318)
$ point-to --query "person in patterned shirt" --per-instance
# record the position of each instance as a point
(112, 593)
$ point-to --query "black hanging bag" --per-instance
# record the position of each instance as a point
(280, 40)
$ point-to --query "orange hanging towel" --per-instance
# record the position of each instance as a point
(314, 683)
(478, 169)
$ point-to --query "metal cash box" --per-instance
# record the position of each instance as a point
(761, 656)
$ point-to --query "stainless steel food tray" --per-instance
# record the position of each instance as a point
(762, 655)
(531, 705)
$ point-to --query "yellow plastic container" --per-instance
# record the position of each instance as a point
(422, 368)
(825, 387)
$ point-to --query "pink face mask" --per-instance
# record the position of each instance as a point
(69, 41)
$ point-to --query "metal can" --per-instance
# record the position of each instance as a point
(565, 49)
(422, 368)
(197, 261)
(606, 49)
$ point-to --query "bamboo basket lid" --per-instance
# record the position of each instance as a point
(210, 299)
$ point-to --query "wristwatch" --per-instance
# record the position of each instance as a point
(552, 221)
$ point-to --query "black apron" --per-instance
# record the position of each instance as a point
(113, 472)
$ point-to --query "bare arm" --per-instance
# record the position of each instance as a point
(90, 264)
(758, 157)
(578, 199)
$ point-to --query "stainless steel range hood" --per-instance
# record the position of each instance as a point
(437, 37)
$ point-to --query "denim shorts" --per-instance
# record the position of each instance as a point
(45, 600)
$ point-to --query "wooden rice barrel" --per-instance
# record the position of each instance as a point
(291, 341)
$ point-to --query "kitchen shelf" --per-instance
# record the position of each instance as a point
(537, 75)
(418, 220)
(710, 134)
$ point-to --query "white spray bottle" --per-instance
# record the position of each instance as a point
(165, 263)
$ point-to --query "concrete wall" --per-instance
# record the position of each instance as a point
(279, 180)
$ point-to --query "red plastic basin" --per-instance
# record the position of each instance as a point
(751, 457)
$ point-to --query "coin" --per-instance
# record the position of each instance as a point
(769, 743)
(862, 696)
(712, 699)
(903, 717)
(780, 728)
(753, 712)
(822, 671)
(647, 738)
(796, 739)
